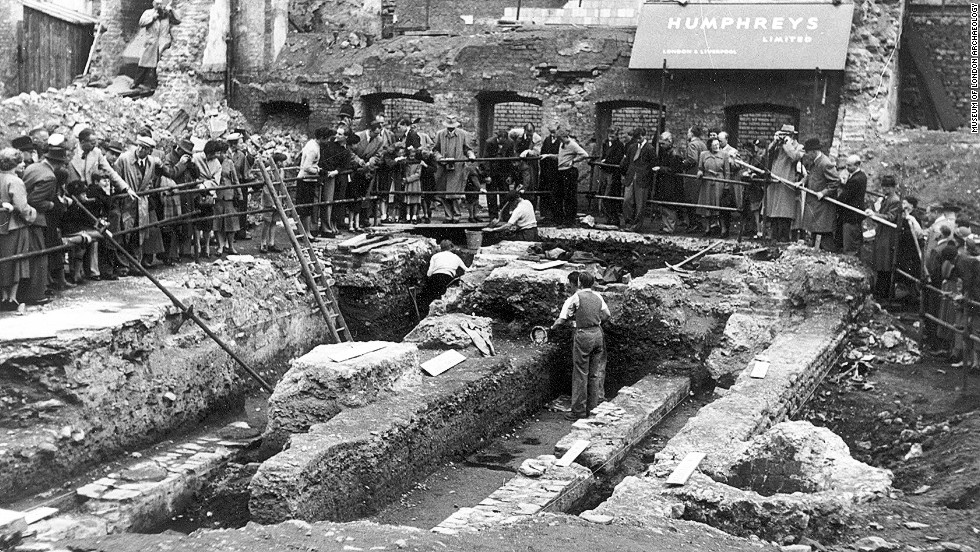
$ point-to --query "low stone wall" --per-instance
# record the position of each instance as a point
(363, 458)
(799, 359)
(615, 427)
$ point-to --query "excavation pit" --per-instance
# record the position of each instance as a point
(346, 439)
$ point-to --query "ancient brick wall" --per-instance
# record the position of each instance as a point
(629, 118)
(945, 30)
(510, 115)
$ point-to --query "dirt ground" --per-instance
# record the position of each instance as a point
(916, 416)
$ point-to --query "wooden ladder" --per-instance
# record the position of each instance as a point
(312, 269)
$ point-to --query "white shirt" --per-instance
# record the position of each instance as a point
(309, 162)
(571, 305)
(523, 215)
(445, 262)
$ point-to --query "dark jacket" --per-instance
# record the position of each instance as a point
(612, 153)
(852, 193)
(638, 168)
(670, 185)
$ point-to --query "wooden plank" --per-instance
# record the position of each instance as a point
(686, 468)
(443, 362)
(37, 514)
(759, 369)
(357, 240)
(347, 351)
(572, 453)
(547, 265)
(385, 243)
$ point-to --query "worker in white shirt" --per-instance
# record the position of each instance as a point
(586, 310)
(444, 267)
(522, 222)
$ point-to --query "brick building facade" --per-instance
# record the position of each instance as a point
(575, 77)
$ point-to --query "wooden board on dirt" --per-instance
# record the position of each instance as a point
(686, 468)
(443, 362)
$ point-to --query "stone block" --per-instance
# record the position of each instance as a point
(745, 335)
(348, 467)
(520, 293)
(444, 331)
(12, 523)
(316, 387)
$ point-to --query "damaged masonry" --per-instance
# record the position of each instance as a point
(497, 275)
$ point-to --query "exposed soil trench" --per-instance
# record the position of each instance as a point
(685, 316)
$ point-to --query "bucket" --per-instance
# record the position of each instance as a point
(474, 239)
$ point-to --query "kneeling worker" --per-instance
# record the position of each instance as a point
(444, 267)
(522, 223)
(586, 310)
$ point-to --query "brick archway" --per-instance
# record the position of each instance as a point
(502, 110)
(393, 105)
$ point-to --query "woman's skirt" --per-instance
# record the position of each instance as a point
(227, 223)
(16, 242)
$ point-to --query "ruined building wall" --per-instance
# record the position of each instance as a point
(945, 29)
(580, 77)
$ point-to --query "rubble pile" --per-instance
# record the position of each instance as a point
(281, 133)
(115, 117)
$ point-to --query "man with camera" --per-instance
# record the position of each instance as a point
(780, 206)
(155, 26)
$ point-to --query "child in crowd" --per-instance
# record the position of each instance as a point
(412, 178)
(267, 234)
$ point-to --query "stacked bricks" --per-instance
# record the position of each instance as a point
(555, 491)
(510, 115)
(760, 125)
(628, 118)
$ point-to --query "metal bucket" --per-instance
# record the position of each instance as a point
(474, 239)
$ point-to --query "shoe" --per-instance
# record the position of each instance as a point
(40, 302)
(263, 249)
(274, 249)
(110, 277)
(572, 417)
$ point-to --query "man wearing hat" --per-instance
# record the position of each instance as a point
(452, 143)
(155, 26)
(181, 170)
(851, 192)
(142, 171)
(946, 218)
(780, 206)
(819, 216)
(43, 182)
(112, 150)
(886, 237)
(346, 114)
(25, 145)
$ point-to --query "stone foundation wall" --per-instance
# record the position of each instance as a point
(363, 458)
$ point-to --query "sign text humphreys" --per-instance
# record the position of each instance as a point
(742, 36)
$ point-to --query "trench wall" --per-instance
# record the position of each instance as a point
(361, 459)
(128, 384)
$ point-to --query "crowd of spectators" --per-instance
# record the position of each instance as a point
(60, 188)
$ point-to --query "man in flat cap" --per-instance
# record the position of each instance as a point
(142, 171)
(44, 182)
